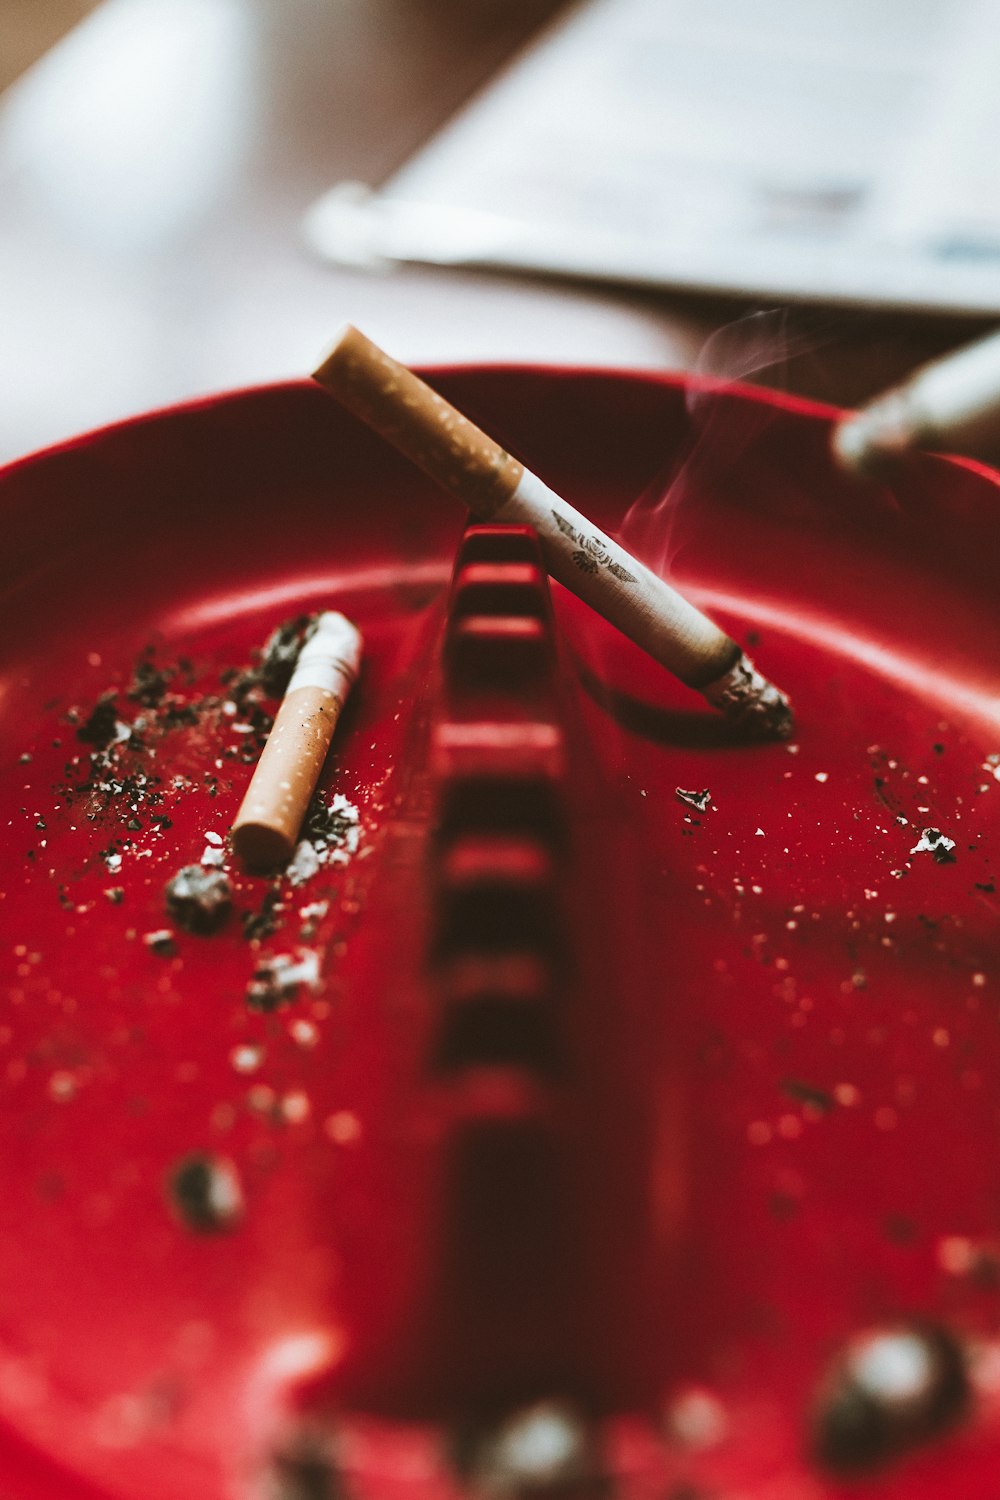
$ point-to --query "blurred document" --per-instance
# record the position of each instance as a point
(845, 150)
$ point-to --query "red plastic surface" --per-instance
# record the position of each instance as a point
(751, 1108)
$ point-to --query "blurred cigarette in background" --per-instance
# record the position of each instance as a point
(497, 487)
(267, 825)
(951, 405)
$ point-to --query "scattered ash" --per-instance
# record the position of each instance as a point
(700, 801)
(205, 1193)
(310, 916)
(278, 979)
(331, 833)
(262, 923)
(150, 683)
(890, 1391)
(199, 899)
(269, 676)
(933, 841)
(103, 727)
(115, 894)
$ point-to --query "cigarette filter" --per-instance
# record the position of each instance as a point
(497, 487)
(267, 825)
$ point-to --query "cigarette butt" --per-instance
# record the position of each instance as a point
(267, 825)
(496, 486)
(950, 404)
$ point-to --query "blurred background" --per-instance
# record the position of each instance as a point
(196, 194)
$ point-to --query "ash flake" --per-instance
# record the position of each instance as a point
(933, 841)
(700, 801)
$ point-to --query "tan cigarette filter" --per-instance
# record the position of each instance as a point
(497, 487)
(267, 825)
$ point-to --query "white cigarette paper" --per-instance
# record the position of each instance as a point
(951, 403)
(267, 825)
(497, 487)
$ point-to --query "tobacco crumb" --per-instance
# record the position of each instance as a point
(199, 899)
(160, 942)
(889, 1391)
(205, 1193)
(115, 894)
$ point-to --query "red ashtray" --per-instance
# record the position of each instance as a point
(603, 1104)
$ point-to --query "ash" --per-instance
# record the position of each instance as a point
(199, 899)
(330, 836)
(277, 980)
(206, 1194)
(933, 841)
(700, 801)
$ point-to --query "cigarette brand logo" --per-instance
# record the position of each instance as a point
(591, 553)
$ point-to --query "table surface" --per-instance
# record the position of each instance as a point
(154, 170)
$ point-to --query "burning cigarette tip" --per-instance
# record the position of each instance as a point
(749, 700)
(267, 825)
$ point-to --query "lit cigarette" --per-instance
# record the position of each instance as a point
(495, 486)
(952, 404)
(267, 825)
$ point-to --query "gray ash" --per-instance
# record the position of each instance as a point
(271, 673)
(700, 801)
(933, 841)
(277, 980)
(205, 1193)
(281, 652)
(546, 1450)
(891, 1390)
(161, 942)
(262, 923)
(199, 899)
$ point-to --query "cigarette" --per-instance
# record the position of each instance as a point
(267, 825)
(951, 404)
(497, 487)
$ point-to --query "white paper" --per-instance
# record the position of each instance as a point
(838, 149)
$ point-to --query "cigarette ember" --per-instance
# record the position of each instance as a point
(497, 487)
(267, 825)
